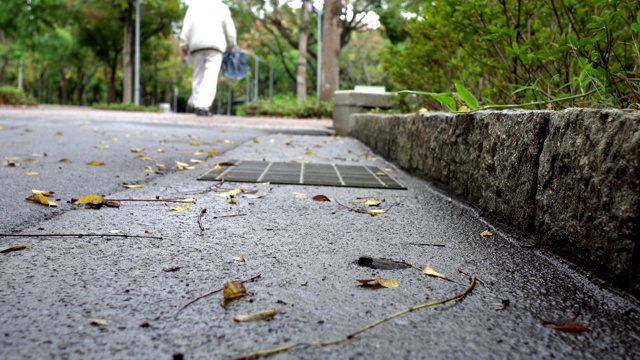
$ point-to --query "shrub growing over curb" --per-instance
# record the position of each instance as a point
(10, 95)
(125, 107)
(287, 106)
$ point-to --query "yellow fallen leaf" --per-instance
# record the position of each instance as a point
(239, 258)
(95, 163)
(195, 143)
(186, 200)
(486, 233)
(132, 186)
(372, 203)
(113, 138)
(102, 146)
(308, 152)
(231, 193)
(92, 198)
(427, 270)
(321, 198)
(39, 198)
(261, 315)
(136, 150)
(58, 133)
(449, 200)
(29, 172)
(228, 142)
(1, 127)
(211, 152)
(376, 212)
(300, 195)
(232, 201)
(8, 249)
(217, 167)
(256, 141)
(160, 166)
(180, 207)
(144, 158)
(380, 173)
(183, 166)
(160, 150)
(11, 163)
(43, 192)
(463, 109)
(149, 169)
(196, 161)
(64, 160)
(232, 290)
(387, 283)
(199, 152)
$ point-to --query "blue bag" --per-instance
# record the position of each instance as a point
(235, 66)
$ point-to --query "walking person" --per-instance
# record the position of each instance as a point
(208, 30)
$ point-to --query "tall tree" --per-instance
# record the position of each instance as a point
(302, 52)
(330, 73)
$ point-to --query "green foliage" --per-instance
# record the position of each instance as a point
(125, 107)
(513, 52)
(287, 106)
(10, 95)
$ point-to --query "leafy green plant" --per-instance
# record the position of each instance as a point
(287, 106)
(10, 95)
(125, 107)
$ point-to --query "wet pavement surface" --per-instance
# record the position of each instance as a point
(110, 297)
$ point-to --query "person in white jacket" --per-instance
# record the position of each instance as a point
(208, 30)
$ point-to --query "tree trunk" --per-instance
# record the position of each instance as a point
(301, 80)
(330, 72)
(127, 66)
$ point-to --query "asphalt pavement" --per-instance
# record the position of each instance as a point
(116, 296)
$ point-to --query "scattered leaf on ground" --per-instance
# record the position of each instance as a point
(372, 203)
(228, 142)
(376, 212)
(199, 152)
(387, 283)
(300, 195)
(113, 138)
(10, 163)
(160, 150)
(183, 166)
(211, 152)
(180, 207)
(144, 158)
(29, 172)
(171, 268)
(58, 133)
(231, 193)
(309, 152)
(261, 315)
(380, 173)
(43, 192)
(196, 161)
(486, 233)
(232, 201)
(239, 258)
(449, 200)
(39, 198)
(95, 163)
(160, 166)
(12, 248)
(102, 146)
(226, 163)
(321, 198)
(64, 160)
(232, 290)
(572, 327)
(99, 322)
(149, 169)
(427, 270)
(92, 198)
(132, 186)
(136, 150)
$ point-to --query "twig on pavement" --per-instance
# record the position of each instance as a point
(202, 211)
(82, 235)
(351, 208)
(480, 280)
(209, 294)
(426, 244)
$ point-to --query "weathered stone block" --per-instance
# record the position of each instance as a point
(588, 196)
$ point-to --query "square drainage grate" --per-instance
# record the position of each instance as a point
(304, 174)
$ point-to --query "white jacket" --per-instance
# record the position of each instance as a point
(207, 25)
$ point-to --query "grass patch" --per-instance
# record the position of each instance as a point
(125, 107)
(287, 106)
(10, 95)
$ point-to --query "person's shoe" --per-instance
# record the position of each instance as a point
(201, 112)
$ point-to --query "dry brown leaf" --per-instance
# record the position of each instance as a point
(9, 249)
(58, 133)
(232, 290)
(29, 172)
(387, 283)
(95, 163)
(144, 158)
(64, 160)
(226, 163)
(261, 315)
(572, 327)
(136, 150)
(239, 258)
(10, 163)
(321, 198)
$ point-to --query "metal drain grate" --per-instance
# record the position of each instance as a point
(304, 174)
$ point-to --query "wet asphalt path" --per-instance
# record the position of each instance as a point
(106, 298)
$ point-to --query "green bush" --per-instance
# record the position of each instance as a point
(125, 107)
(287, 106)
(10, 95)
